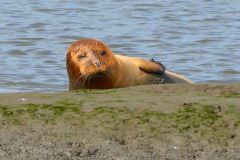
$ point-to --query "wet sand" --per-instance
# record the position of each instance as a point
(144, 122)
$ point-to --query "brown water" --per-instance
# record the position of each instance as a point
(197, 38)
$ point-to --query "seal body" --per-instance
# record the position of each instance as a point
(92, 65)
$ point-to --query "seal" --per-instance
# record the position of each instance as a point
(92, 65)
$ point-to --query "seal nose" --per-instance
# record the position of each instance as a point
(97, 64)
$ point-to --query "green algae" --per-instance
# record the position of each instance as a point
(95, 91)
(196, 119)
(232, 95)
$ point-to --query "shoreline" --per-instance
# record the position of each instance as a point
(170, 121)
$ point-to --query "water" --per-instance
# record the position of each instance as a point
(200, 39)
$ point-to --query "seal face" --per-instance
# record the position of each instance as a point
(92, 65)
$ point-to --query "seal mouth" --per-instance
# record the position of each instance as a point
(97, 75)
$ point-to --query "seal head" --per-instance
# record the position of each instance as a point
(90, 64)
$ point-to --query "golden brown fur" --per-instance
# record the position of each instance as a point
(91, 64)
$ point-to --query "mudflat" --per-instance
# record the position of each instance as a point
(144, 122)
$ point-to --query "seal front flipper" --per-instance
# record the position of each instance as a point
(172, 77)
(149, 66)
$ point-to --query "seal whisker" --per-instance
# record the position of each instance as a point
(76, 82)
(84, 80)
(78, 79)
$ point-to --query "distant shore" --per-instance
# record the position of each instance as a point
(200, 121)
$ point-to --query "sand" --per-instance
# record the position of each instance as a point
(168, 122)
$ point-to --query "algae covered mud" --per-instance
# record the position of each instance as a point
(158, 122)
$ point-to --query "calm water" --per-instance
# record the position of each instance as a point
(200, 39)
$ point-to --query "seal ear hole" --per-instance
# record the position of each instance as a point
(103, 53)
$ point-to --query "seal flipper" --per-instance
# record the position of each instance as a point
(171, 77)
(150, 66)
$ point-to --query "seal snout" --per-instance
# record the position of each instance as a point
(97, 64)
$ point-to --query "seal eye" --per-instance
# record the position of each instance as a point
(81, 56)
(103, 53)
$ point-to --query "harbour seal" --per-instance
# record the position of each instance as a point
(92, 65)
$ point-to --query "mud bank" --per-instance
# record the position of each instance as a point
(143, 122)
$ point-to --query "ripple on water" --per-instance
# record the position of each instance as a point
(231, 72)
(37, 25)
(16, 52)
(50, 62)
(42, 53)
